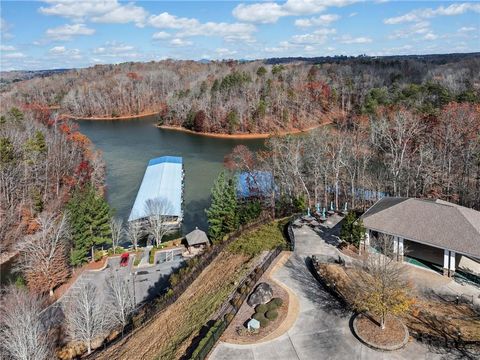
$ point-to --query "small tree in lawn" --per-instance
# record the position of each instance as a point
(352, 230)
(159, 210)
(222, 213)
(116, 229)
(382, 287)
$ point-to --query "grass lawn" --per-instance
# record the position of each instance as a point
(171, 332)
(267, 237)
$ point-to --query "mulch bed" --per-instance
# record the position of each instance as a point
(245, 313)
(369, 330)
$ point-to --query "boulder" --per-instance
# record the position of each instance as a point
(262, 294)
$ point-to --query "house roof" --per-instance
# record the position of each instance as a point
(196, 237)
(437, 223)
(254, 183)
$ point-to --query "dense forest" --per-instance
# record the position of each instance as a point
(256, 96)
(396, 152)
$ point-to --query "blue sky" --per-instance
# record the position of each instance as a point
(68, 33)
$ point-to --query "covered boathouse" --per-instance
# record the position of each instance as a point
(162, 184)
(433, 233)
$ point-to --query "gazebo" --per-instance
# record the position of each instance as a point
(197, 239)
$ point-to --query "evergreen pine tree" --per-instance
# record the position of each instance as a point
(352, 229)
(89, 217)
(222, 214)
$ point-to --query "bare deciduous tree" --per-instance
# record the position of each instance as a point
(134, 232)
(120, 302)
(43, 255)
(159, 211)
(85, 315)
(23, 334)
(116, 228)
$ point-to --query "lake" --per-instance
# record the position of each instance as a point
(127, 145)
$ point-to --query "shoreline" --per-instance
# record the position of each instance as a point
(123, 117)
(242, 136)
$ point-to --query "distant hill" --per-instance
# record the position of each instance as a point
(8, 77)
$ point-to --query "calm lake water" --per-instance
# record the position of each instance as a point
(127, 145)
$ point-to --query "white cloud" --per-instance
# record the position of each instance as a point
(67, 31)
(270, 12)
(7, 48)
(56, 50)
(430, 36)
(347, 39)
(465, 29)
(123, 15)
(317, 37)
(114, 49)
(104, 11)
(161, 35)
(13, 55)
(420, 28)
(419, 14)
(224, 52)
(168, 21)
(177, 42)
(193, 27)
(66, 54)
(5, 29)
(263, 13)
(322, 20)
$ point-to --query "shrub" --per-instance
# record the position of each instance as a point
(262, 308)
(169, 293)
(229, 317)
(277, 301)
(271, 314)
(137, 260)
(98, 255)
(261, 318)
(271, 306)
(258, 316)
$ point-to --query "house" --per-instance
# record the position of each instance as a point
(435, 232)
(197, 239)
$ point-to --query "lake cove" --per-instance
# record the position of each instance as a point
(128, 145)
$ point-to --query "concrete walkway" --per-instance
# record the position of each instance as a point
(322, 329)
(144, 261)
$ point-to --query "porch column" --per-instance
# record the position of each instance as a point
(400, 249)
(448, 262)
(366, 240)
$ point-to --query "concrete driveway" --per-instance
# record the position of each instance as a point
(322, 329)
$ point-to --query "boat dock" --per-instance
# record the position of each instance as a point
(161, 191)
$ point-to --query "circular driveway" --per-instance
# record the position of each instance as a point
(322, 329)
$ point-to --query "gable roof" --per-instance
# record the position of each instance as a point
(438, 223)
(196, 237)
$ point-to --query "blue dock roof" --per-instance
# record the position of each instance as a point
(163, 181)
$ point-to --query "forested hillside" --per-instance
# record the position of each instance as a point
(254, 97)
(42, 161)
